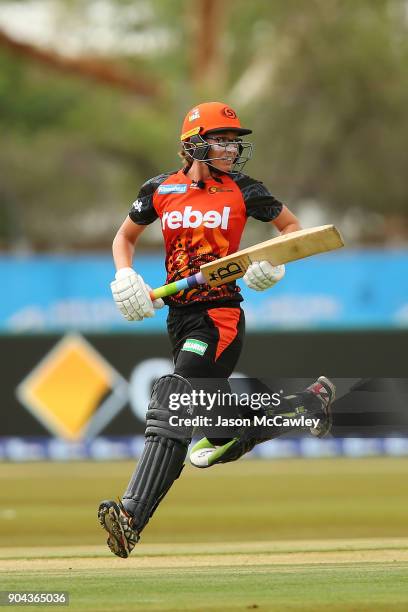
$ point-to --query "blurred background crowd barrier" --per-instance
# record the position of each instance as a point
(346, 290)
(92, 95)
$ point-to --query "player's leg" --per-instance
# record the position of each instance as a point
(219, 333)
(166, 446)
(315, 401)
(159, 466)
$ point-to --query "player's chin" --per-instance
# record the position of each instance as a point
(225, 165)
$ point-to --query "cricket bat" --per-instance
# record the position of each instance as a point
(280, 250)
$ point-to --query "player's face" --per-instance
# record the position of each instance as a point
(224, 149)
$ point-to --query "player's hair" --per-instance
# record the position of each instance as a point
(186, 159)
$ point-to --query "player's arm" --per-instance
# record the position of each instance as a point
(262, 275)
(286, 222)
(124, 243)
(130, 293)
(263, 206)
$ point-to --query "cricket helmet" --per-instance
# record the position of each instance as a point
(210, 118)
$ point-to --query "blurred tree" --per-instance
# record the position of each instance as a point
(100, 71)
(333, 114)
(322, 82)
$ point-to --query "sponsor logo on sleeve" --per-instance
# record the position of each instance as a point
(137, 205)
(172, 188)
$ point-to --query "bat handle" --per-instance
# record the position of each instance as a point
(180, 285)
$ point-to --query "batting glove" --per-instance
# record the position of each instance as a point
(131, 295)
(261, 275)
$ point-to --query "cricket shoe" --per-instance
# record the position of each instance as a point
(118, 523)
(325, 390)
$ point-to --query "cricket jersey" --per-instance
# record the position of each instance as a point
(201, 223)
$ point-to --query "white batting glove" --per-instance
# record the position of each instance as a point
(131, 295)
(262, 275)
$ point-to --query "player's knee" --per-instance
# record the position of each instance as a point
(169, 407)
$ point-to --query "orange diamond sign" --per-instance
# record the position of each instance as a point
(73, 391)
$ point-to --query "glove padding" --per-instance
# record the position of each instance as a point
(131, 295)
(262, 275)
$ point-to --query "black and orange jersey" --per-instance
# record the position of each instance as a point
(201, 223)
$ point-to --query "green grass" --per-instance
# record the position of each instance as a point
(55, 504)
(336, 588)
(274, 535)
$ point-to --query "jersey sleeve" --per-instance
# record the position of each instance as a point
(259, 202)
(142, 211)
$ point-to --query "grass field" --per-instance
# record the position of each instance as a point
(270, 535)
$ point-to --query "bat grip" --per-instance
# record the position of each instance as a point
(180, 285)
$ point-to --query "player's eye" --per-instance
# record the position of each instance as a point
(225, 141)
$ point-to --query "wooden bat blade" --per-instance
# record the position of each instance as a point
(279, 250)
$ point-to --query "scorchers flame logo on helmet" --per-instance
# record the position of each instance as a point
(228, 112)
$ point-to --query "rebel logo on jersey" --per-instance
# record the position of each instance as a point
(189, 218)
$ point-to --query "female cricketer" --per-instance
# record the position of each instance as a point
(202, 208)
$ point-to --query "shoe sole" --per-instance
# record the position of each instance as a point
(109, 520)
